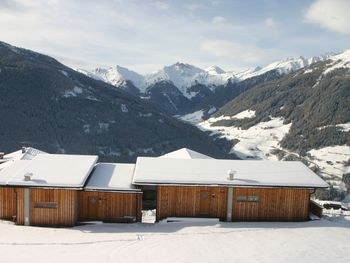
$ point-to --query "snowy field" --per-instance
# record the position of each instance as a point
(326, 240)
(261, 140)
(256, 142)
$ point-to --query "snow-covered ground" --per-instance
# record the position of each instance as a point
(193, 118)
(262, 140)
(325, 240)
(257, 141)
(331, 159)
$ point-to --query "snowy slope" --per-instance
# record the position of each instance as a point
(184, 76)
(257, 142)
(341, 60)
(284, 66)
(117, 76)
(325, 240)
(180, 74)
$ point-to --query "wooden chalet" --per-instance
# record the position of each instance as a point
(60, 190)
(109, 195)
(232, 190)
(44, 191)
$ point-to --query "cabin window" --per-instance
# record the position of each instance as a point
(242, 198)
(51, 205)
(248, 198)
(253, 198)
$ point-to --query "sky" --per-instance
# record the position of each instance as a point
(145, 35)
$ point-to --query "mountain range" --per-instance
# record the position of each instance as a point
(295, 109)
(52, 107)
(182, 88)
(303, 115)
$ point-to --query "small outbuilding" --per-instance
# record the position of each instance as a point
(109, 195)
(232, 190)
(44, 191)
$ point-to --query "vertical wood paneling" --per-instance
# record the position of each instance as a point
(112, 206)
(275, 204)
(64, 215)
(7, 203)
(20, 206)
(184, 201)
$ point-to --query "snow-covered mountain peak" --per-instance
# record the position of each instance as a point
(215, 70)
(284, 66)
(287, 65)
(320, 58)
(182, 69)
(341, 60)
(180, 74)
(246, 73)
(117, 75)
(183, 76)
(101, 70)
(344, 56)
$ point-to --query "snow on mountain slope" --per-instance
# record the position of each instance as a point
(284, 66)
(180, 74)
(262, 141)
(257, 142)
(215, 70)
(331, 159)
(341, 60)
(184, 76)
(116, 76)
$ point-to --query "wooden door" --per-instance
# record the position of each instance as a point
(93, 205)
(204, 203)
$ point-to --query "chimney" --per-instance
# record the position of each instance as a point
(24, 149)
(28, 176)
(2, 154)
(231, 175)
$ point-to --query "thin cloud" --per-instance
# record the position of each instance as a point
(161, 5)
(218, 20)
(231, 50)
(194, 7)
(330, 14)
(270, 22)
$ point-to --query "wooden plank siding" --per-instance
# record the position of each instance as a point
(110, 206)
(275, 204)
(185, 201)
(7, 203)
(20, 206)
(64, 214)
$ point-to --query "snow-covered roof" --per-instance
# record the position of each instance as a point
(27, 153)
(163, 171)
(9, 171)
(50, 170)
(112, 177)
(185, 153)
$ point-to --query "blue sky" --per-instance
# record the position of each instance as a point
(144, 35)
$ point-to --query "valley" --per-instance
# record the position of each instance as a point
(294, 109)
